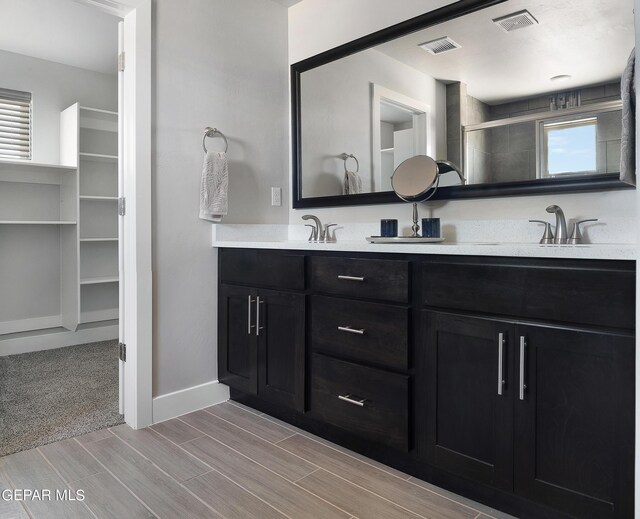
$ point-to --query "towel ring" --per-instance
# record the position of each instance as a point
(347, 156)
(210, 132)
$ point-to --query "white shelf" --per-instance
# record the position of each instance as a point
(27, 164)
(98, 112)
(387, 150)
(94, 240)
(101, 198)
(100, 280)
(44, 222)
(98, 157)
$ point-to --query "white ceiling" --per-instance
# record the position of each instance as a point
(63, 31)
(588, 39)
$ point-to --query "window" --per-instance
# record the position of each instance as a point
(569, 147)
(15, 124)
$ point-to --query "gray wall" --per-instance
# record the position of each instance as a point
(216, 63)
(55, 87)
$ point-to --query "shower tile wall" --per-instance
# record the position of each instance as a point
(509, 153)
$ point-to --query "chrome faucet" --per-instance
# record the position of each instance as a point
(317, 232)
(561, 224)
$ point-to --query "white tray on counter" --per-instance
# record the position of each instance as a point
(403, 239)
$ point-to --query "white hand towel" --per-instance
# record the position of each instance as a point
(628, 142)
(352, 183)
(214, 186)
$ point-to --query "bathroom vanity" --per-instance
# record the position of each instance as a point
(509, 380)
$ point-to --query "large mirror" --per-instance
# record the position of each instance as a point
(523, 96)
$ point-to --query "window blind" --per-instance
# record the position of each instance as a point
(15, 124)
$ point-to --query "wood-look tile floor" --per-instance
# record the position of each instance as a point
(225, 461)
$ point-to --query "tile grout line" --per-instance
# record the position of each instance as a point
(117, 478)
(260, 438)
(247, 430)
(353, 457)
(13, 487)
(311, 473)
(313, 437)
(167, 474)
(65, 482)
(272, 471)
(416, 514)
(68, 482)
(213, 469)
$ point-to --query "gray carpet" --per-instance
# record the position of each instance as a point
(50, 395)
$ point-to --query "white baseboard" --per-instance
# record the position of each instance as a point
(188, 400)
(56, 339)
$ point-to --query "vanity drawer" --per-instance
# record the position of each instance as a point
(367, 278)
(578, 292)
(365, 332)
(262, 268)
(368, 402)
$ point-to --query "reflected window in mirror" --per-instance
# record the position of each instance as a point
(569, 148)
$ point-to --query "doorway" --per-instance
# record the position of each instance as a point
(59, 328)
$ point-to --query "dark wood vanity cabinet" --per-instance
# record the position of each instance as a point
(261, 346)
(527, 383)
(510, 380)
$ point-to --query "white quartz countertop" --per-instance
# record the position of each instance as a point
(604, 251)
(272, 237)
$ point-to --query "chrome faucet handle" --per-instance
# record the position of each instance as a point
(547, 237)
(576, 235)
(327, 233)
(313, 236)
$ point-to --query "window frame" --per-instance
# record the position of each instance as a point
(572, 121)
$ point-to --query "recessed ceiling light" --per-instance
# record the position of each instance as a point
(561, 77)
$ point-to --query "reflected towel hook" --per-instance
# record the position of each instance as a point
(210, 132)
(347, 156)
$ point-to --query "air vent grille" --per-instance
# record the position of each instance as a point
(440, 45)
(515, 21)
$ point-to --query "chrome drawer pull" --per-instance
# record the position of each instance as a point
(350, 400)
(358, 331)
(351, 278)
(500, 363)
(249, 325)
(523, 352)
(258, 327)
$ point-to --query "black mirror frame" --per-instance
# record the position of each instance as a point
(443, 14)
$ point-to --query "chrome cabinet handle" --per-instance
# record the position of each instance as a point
(258, 327)
(500, 363)
(348, 329)
(351, 278)
(249, 325)
(350, 400)
(523, 349)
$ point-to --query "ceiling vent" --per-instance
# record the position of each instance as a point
(514, 21)
(440, 45)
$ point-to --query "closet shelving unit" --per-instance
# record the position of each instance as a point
(91, 136)
(59, 236)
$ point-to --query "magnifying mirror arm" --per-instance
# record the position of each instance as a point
(444, 166)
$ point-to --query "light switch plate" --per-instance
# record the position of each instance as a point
(276, 196)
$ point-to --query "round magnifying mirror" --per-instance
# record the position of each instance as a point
(414, 178)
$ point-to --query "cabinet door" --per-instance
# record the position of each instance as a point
(574, 421)
(237, 345)
(469, 408)
(281, 347)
